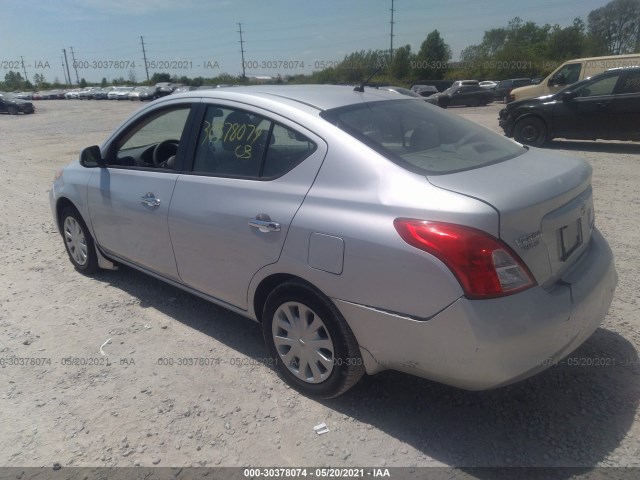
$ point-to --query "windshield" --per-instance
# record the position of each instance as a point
(421, 137)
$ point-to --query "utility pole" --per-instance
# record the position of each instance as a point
(67, 64)
(391, 35)
(244, 77)
(144, 55)
(64, 73)
(75, 65)
(24, 69)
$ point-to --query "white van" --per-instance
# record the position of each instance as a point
(573, 71)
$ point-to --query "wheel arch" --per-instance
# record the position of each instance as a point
(61, 204)
(534, 114)
(266, 286)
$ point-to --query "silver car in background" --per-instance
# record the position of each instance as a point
(364, 230)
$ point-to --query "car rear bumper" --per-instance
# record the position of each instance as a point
(482, 344)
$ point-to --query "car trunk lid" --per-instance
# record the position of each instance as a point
(545, 205)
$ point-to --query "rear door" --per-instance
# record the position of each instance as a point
(230, 216)
(587, 115)
(625, 108)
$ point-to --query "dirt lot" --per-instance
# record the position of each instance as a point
(235, 411)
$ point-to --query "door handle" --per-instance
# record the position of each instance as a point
(602, 105)
(150, 200)
(264, 226)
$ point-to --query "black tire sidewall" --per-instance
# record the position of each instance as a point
(520, 125)
(335, 324)
(92, 259)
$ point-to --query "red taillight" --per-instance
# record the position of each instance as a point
(484, 266)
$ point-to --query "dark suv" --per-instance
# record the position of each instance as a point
(605, 106)
(503, 90)
(13, 105)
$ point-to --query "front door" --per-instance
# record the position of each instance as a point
(129, 199)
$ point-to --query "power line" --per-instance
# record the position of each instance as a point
(244, 78)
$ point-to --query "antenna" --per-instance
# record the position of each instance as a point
(144, 55)
(360, 88)
(244, 78)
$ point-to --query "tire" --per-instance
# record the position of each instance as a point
(531, 131)
(444, 102)
(11, 110)
(78, 241)
(330, 368)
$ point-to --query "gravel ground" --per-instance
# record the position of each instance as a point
(235, 411)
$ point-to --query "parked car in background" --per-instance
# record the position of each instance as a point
(463, 94)
(425, 90)
(87, 93)
(441, 85)
(141, 93)
(116, 92)
(573, 71)
(504, 88)
(459, 83)
(183, 89)
(605, 106)
(488, 84)
(24, 95)
(164, 88)
(364, 230)
(13, 105)
(100, 94)
(122, 93)
(72, 94)
(411, 93)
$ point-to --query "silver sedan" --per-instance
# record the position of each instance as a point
(364, 230)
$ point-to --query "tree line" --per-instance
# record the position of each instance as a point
(520, 49)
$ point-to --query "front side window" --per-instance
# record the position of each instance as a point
(237, 143)
(570, 73)
(422, 138)
(152, 143)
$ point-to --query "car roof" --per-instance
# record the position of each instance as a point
(319, 97)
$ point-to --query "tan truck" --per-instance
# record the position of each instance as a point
(573, 71)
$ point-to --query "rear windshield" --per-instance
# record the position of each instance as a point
(423, 138)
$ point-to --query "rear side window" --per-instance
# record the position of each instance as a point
(604, 86)
(423, 138)
(237, 143)
(631, 83)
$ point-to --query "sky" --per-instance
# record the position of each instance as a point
(200, 37)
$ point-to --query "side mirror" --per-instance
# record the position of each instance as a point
(569, 95)
(91, 157)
